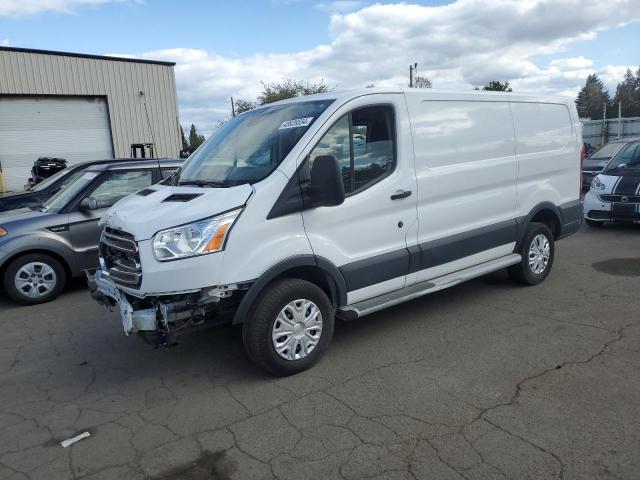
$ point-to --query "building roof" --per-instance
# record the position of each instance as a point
(84, 55)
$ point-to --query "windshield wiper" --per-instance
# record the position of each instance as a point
(202, 183)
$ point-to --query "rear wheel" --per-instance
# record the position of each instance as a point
(593, 223)
(537, 253)
(34, 278)
(289, 326)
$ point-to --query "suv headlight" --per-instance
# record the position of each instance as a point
(596, 184)
(198, 238)
(3, 232)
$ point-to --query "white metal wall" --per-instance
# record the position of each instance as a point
(119, 81)
(73, 128)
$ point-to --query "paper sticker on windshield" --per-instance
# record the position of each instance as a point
(89, 176)
(295, 123)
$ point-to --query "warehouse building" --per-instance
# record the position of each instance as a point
(83, 107)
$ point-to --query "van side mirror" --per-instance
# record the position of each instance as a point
(88, 203)
(327, 189)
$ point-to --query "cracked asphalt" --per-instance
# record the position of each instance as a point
(487, 380)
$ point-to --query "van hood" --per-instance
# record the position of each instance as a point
(158, 207)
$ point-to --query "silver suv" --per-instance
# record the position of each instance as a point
(40, 247)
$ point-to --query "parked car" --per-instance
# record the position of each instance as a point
(342, 204)
(615, 192)
(595, 162)
(41, 246)
(38, 194)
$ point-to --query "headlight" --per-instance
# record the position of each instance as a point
(198, 238)
(3, 232)
(596, 184)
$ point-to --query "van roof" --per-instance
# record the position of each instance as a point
(434, 93)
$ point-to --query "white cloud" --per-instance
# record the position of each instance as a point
(570, 63)
(4, 42)
(35, 7)
(460, 45)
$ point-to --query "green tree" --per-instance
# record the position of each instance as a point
(244, 106)
(422, 82)
(273, 92)
(183, 139)
(628, 93)
(195, 139)
(496, 86)
(592, 98)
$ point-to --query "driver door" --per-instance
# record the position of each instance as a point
(83, 225)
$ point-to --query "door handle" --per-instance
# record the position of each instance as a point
(400, 194)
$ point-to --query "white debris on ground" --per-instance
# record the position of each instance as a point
(72, 440)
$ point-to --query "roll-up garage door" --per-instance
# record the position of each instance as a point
(73, 128)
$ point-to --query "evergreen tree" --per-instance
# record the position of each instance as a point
(628, 93)
(183, 139)
(592, 98)
(195, 139)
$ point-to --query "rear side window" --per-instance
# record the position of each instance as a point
(541, 127)
(363, 143)
(167, 172)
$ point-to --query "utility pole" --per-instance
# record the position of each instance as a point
(412, 69)
(604, 130)
(233, 110)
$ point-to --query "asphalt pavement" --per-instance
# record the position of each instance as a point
(487, 380)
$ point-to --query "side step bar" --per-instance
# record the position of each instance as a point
(365, 307)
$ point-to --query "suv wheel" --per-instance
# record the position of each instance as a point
(34, 278)
(537, 253)
(289, 326)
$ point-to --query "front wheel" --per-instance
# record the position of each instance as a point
(34, 278)
(289, 326)
(537, 253)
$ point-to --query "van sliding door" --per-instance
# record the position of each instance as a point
(466, 172)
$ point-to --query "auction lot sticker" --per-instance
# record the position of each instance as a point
(296, 122)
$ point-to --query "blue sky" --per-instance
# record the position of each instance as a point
(226, 48)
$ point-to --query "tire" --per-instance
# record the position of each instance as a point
(524, 272)
(47, 274)
(593, 223)
(275, 303)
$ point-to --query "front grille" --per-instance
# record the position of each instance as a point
(630, 199)
(120, 258)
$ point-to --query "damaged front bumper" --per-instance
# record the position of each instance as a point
(159, 319)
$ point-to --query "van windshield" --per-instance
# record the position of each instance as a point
(250, 146)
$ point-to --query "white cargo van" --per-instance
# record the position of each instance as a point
(340, 205)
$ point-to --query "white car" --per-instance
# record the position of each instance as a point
(342, 204)
(614, 195)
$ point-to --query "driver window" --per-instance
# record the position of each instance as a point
(363, 143)
(120, 184)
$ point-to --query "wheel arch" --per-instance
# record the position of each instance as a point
(314, 269)
(546, 213)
